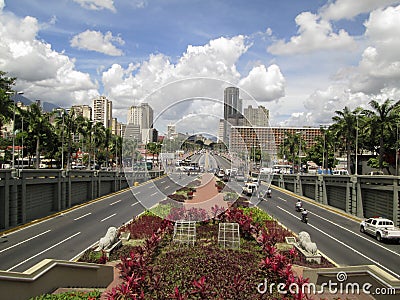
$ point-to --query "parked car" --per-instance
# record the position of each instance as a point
(381, 228)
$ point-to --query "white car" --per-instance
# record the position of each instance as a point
(381, 228)
(249, 188)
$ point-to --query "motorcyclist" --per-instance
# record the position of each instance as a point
(269, 193)
(304, 214)
(299, 204)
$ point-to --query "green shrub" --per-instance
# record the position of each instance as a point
(259, 216)
(73, 295)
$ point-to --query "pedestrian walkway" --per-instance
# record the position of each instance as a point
(206, 195)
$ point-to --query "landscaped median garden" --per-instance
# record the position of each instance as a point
(153, 266)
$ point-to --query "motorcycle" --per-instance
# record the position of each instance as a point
(304, 218)
(299, 208)
(269, 194)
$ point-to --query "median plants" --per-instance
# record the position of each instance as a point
(162, 269)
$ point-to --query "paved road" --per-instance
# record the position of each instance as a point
(67, 235)
(336, 235)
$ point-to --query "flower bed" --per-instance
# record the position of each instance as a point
(160, 269)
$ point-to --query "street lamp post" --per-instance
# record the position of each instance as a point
(397, 149)
(299, 133)
(62, 142)
(356, 168)
(13, 136)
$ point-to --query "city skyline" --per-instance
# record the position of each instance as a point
(301, 61)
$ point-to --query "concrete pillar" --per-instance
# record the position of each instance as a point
(14, 203)
(23, 199)
(360, 205)
(5, 202)
(69, 194)
(396, 208)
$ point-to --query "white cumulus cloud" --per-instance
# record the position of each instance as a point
(96, 41)
(379, 66)
(314, 34)
(347, 9)
(97, 4)
(41, 72)
(264, 84)
(201, 72)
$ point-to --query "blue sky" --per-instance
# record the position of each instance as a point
(301, 59)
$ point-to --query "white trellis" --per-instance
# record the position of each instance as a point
(228, 235)
(185, 232)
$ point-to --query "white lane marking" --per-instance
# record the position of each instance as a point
(162, 181)
(282, 199)
(137, 193)
(27, 240)
(111, 204)
(154, 194)
(166, 187)
(82, 216)
(108, 217)
(135, 203)
(360, 236)
(45, 250)
(344, 244)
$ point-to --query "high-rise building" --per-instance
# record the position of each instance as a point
(232, 104)
(232, 111)
(82, 110)
(256, 116)
(141, 115)
(102, 111)
(171, 131)
(221, 125)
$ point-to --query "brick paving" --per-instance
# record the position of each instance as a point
(206, 195)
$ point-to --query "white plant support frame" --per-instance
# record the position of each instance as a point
(228, 235)
(185, 232)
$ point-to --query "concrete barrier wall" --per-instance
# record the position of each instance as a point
(33, 194)
(371, 277)
(363, 196)
(50, 275)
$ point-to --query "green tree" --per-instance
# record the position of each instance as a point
(323, 151)
(344, 129)
(383, 120)
(39, 129)
(6, 103)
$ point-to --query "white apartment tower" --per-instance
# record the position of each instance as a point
(102, 111)
(141, 115)
(256, 116)
(82, 110)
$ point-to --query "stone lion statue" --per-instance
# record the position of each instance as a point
(109, 239)
(306, 244)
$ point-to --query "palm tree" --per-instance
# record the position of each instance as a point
(383, 119)
(6, 104)
(98, 139)
(39, 128)
(345, 128)
(291, 146)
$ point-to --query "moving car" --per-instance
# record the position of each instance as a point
(381, 228)
(249, 188)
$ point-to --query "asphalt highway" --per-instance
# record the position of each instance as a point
(67, 235)
(336, 234)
